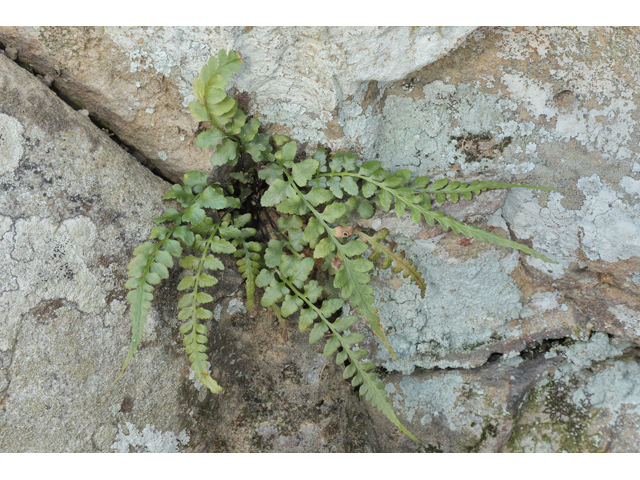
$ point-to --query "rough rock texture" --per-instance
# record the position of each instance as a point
(137, 80)
(281, 395)
(568, 98)
(504, 353)
(73, 206)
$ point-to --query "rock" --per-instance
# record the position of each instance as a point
(280, 395)
(12, 53)
(571, 121)
(138, 81)
(590, 403)
(504, 352)
(589, 225)
(582, 397)
(73, 207)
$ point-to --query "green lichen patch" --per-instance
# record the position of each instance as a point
(472, 445)
(550, 421)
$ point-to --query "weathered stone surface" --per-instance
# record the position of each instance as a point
(73, 206)
(568, 98)
(536, 357)
(589, 403)
(138, 80)
(281, 395)
(581, 397)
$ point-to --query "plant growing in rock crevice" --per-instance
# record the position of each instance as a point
(307, 210)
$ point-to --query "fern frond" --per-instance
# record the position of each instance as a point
(222, 112)
(389, 188)
(401, 264)
(371, 388)
(444, 188)
(149, 266)
(281, 321)
(351, 276)
(479, 234)
(191, 303)
(354, 284)
(249, 266)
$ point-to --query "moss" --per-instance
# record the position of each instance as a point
(559, 423)
(489, 429)
(260, 444)
(429, 448)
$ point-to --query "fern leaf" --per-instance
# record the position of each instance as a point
(191, 310)
(370, 386)
(354, 287)
(140, 299)
(249, 266)
(420, 206)
(453, 189)
(401, 264)
(470, 231)
(146, 269)
(351, 276)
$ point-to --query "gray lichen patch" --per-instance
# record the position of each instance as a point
(11, 149)
(464, 410)
(416, 133)
(615, 388)
(629, 318)
(599, 347)
(73, 209)
(434, 397)
(466, 306)
(49, 260)
(148, 440)
(606, 227)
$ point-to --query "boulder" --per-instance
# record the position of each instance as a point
(557, 397)
(74, 205)
(541, 106)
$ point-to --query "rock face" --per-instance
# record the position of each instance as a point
(73, 206)
(137, 81)
(565, 100)
(71, 202)
(504, 353)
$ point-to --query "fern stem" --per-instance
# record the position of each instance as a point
(402, 264)
(284, 238)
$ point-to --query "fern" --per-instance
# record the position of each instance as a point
(317, 202)
(191, 303)
(401, 264)
(149, 266)
(444, 188)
